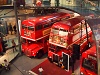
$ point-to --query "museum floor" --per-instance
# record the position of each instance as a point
(23, 65)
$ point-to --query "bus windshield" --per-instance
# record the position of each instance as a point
(90, 65)
(25, 41)
(28, 27)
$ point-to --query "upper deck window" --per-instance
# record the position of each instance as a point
(39, 27)
(28, 27)
(31, 28)
(63, 32)
(55, 30)
(24, 27)
(46, 25)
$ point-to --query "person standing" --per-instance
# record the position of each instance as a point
(14, 45)
(10, 28)
(14, 27)
(40, 70)
(6, 65)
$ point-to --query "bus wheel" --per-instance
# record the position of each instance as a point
(40, 54)
(50, 59)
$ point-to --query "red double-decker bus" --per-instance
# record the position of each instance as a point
(35, 32)
(89, 62)
(66, 33)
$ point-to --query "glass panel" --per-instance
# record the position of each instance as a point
(90, 65)
(24, 27)
(55, 30)
(63, 32)
(31, 28)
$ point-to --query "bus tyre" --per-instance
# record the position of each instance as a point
(50, 59)
(40, 54)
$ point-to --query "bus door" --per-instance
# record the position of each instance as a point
(65, 61)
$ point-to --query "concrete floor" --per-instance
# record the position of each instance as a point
(21, 65)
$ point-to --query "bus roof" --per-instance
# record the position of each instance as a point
(66, 24)
(41, 19)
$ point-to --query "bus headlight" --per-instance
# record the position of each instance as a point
(81, 73)
(65, 44)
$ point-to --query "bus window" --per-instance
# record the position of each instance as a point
(63, 32)
(76, 29)
(46, 25)
(31, 28)
(58, 48)
(39, 27)
(52, 47)
(24, 27)
(55, 30)
(52, 21)
(23, 40)
(26, 41)
(71, 31)
(88, 64)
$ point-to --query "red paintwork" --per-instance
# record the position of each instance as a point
(67, 25)
(40, 20)
(91, 51)
(37, 35)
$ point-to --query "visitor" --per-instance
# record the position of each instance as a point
(6, 65)
(14, 28)
(14, 46)
(10, 28)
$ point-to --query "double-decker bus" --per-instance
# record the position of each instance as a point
(66, 33)
(89, 62)
(35, 32)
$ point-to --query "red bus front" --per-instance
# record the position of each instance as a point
(89, 62)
